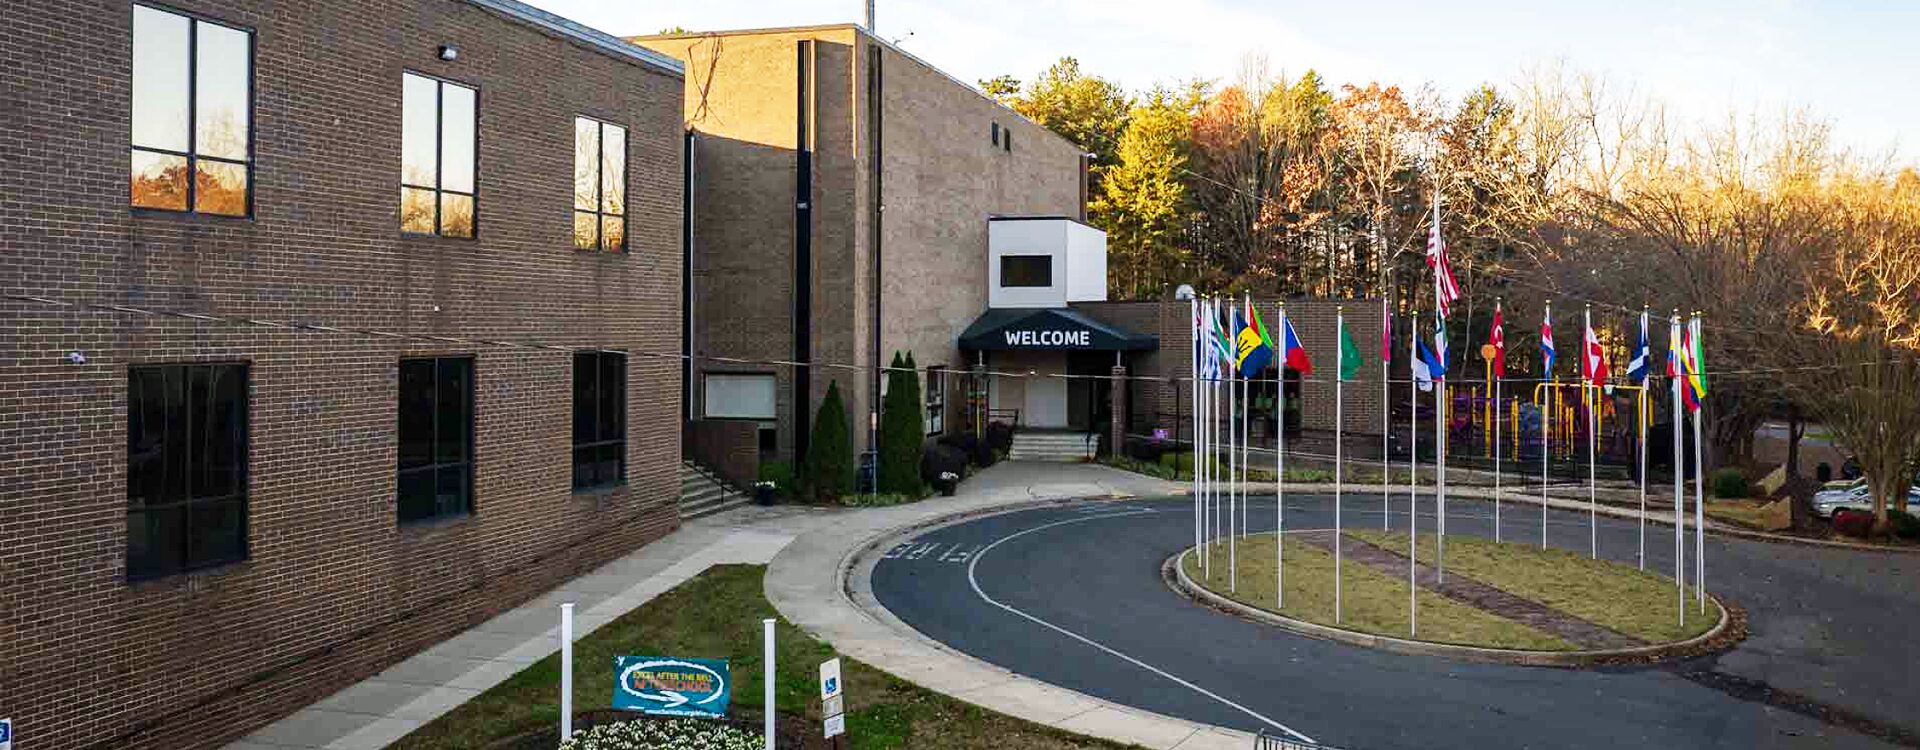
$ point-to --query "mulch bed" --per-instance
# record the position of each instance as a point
(793, 732)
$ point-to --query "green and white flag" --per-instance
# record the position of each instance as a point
(1350, 361)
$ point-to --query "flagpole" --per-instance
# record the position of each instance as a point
(1439, 435)
(1679, 467)
(1546, 407)
(1280, 470)
(1413, 476)
(1386, 408)
(1339, 395)
(1699, 477)
(1233, 475)
(1193, 405)
(1591, 390)
(1498, 353)
(1640, 416)
(1213, 434)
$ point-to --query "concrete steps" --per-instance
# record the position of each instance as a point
(1060, 447)
(702, 494)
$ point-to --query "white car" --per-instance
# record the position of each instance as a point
(1854, 496)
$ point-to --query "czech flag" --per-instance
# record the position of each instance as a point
(1295, 355)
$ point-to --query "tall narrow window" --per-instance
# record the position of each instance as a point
(599, 419)
(599, 185)
(435, 436)
(192, 107)
(936, 400)
(438, 120)
(186, 468)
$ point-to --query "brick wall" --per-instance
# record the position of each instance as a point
(333, 589)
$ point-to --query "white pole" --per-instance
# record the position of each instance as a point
(1413, 477)
(566, 671)
(1679, 470)
(1193, 408)
(1439, 442)
(1386, 410)
(1590, 391)
(1699, 485)
(1339, 394)
(1496, 426)
(767, 677)
(1233, 482)
(1645, 405)
(1246, 455)
(1546, 419)
(1280, 471)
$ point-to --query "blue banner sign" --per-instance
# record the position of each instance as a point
(672, 686)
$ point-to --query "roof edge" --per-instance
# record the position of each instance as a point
(582, 33)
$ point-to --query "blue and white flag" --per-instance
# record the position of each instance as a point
(1426, 367)
(1642, 353)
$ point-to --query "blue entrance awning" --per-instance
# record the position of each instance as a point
(1049, 329)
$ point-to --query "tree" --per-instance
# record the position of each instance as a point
(1860, 352)
(1002, 89)
(828, 466)
(1143, 204)
(1088, 110)
(902, 434)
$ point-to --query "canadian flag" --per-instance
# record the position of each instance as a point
(1594, 359)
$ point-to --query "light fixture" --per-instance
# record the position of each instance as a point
(449, 52)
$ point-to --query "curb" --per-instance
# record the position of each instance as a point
(1713, 640)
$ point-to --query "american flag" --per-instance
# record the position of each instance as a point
(1442, 269)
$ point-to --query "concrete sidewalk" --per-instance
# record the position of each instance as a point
(385, 707)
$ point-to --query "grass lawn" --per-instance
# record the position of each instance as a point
(1370, 601)
(1639, 603)
(717, 615)
(1748, 513)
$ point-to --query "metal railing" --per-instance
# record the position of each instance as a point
(1264, 741)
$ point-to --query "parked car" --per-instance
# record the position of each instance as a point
(1854, 495)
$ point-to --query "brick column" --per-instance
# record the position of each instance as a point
(1117, 407)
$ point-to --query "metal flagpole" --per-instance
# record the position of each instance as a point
(1193, 407)
(1640, 415)
(1499, 344)
(1280, 469)
(1413, 476)
(1546, 419)
(1386, 408)
(1699, 479)
(1589, 393)
(1208, 395)
(1439, 436)
(1233, 477)
(1679, 467)
(1339, 394)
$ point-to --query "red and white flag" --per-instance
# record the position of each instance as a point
(1593, 359)
(1442, 270)
(1499, 343)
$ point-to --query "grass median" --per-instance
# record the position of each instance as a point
(717, 614)
(1371, 602)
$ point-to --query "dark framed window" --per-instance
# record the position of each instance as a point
(936, 391)
(435, 436)
(192, 115)
(1026, 270)
(186, 468)
(1006, 141)
(996, 134)
(438, 125)
(599, 185)
(599, 419)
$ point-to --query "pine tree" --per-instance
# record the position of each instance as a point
(829, 461)
(901, 436)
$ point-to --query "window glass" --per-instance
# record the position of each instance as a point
(160, 54)
(599, 185)
(435, 428)
(586, 156)
(416, 210)
(613, 170)
(159, 181)
(740, 396)
(1026, 270)
(456, 138)
(220, 188)
(584, 225)
(220, 92)
(419, 110)
(456, 215)
(599, 419)
(186, 467)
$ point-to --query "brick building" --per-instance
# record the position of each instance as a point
(207, 522)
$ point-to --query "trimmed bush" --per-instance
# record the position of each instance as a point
(828, 471)
(1905, 525)
(1730, 484)
(942, 458)
(1853, 523)
(901, 433)
(780, 473)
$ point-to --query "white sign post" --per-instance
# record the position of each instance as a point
(768, 676)
(832, 703)
(566, 672)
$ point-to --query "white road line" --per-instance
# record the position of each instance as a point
(975, 582)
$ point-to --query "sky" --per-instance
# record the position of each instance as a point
(1854, 63)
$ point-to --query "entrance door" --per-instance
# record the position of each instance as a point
(1046, 403)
